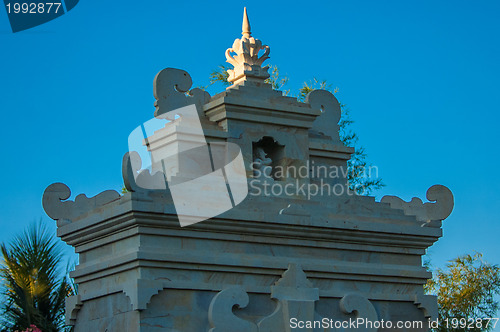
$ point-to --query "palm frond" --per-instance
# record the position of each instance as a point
(34, 291)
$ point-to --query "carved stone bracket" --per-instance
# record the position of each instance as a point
(361, 307)
(428, 304)
(294, 286)
(328, 122)
(65, 212)
(140, 292)
(220, 312)
(171, 90)
(439, 208)
(296, 298)
(136, 180)
(73, 305)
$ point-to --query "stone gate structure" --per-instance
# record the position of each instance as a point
(274, 262)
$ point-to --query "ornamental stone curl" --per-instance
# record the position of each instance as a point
(439, 208)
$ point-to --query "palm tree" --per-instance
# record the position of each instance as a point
(34, 284)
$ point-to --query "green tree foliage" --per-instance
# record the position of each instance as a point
(466, 292)
(34, 283)
(359, 173)
(220, 75)
(277, 81)
(359, 176)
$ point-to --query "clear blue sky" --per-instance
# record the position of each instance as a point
(421, 79)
